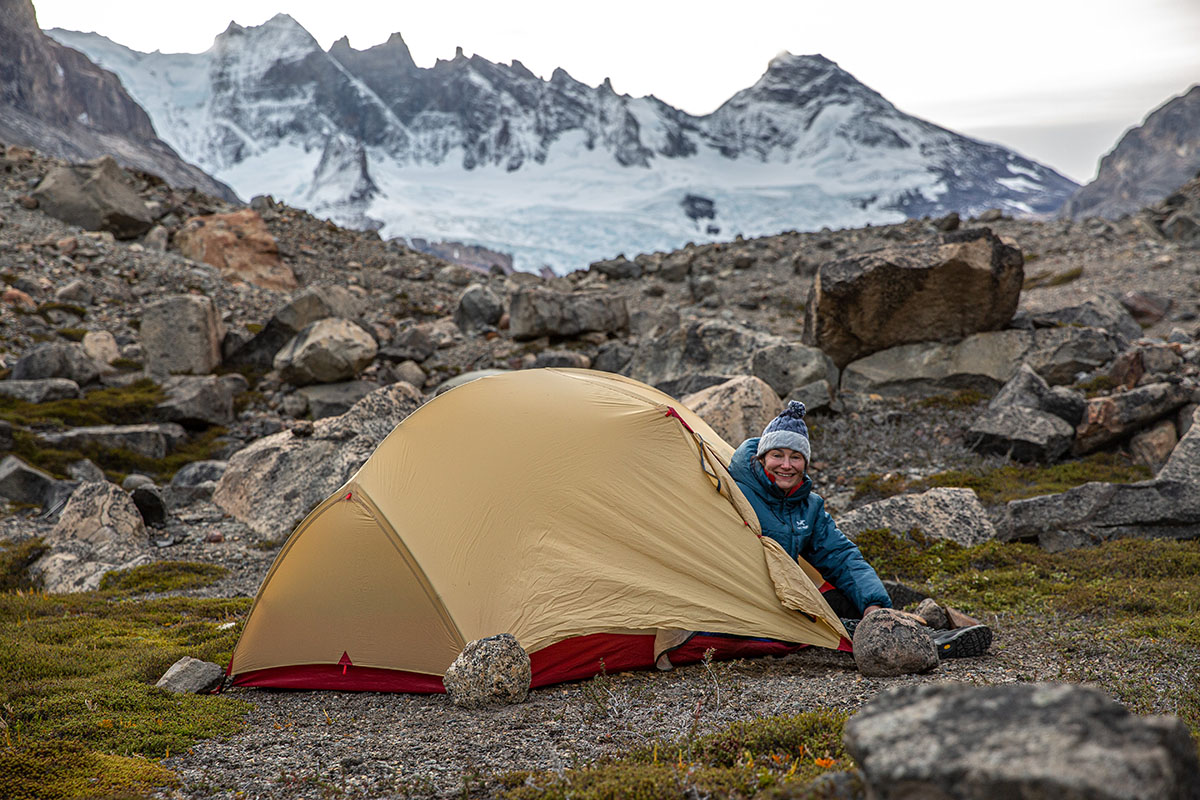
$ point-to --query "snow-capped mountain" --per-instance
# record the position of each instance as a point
(554, 171)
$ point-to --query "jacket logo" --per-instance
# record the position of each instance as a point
(801, 525)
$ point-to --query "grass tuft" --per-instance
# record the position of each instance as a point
(114, 405)
(15, 560)
(1048, 278)
(162, 576)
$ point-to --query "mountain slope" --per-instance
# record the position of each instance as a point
(54, 99)
(1148, 163)
(555, 171)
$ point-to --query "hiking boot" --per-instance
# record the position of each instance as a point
(850, 625)
(962, 642)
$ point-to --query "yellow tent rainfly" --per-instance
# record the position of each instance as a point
(590, 516)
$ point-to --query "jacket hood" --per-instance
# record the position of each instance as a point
(746, 469)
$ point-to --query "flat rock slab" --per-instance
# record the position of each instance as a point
(40, 391)
(944, 513)
(536, 311)
(1029, 741)
(153, 440)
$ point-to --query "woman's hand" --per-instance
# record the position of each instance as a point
(867, 611)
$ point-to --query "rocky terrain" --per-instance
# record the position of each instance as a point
(239, 363)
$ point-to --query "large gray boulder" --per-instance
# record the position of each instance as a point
(273, 483)
(21, 483)
(696, 355)
(96, 196)
(306, 307)
(196, 401)
(332, 399)
(181, 334)
(478, 308)
(950, 514)
(490, 671)
(153, 440)
(62, 360)
(536, 311)
(1118, 416)
(970, 282)
(1028, 741)
(889, 643)
(737, 409)
(1028, 420)
(40, 391)
(787, 366)
(327, 351)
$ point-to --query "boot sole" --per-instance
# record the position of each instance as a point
(966, 642)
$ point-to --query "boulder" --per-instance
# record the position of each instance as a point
(696, 355)
(788, 365)
(478, 307)
(410, 372)
(737, 409)
(536, 311)
(85, 470)
(1031, 741)
(1027, 389)
(950, 514)
(1109, 419)
(333, 399)
(490, 671)
(66, 360)
(196, 481)
(1102, 311)
(419, 342)
(306, 307)
(96, 196)
(153, 440)
(934, 615)
(196, 401)
(181, 334)
(969, 283)
(151, 505)
(466, 377)
(191, 676)
(817, 396)
(21, 483)
(619, 268)
(1146, 307)
(101, 513)
(1020, 433)
(889, 643)
(327, 351)
(101, 346)
(1184, 463)
(40, 391)
(1153, 446)
(271, 484)
(239, 245)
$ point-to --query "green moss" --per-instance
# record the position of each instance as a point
(874, 486)
(1065, 277)
(1045, 278)
(77, 672)
(963, 398)
(73, 334)
(756, 758)
(254, 327)
(1016, 481)
(15, 560)
(162, 576)
(127, 364)
(70, 308)
(115, 461)
(1097, 385)
(116, 405)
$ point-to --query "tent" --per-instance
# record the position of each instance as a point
(587, 514)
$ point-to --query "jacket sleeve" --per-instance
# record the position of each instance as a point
(838, 559)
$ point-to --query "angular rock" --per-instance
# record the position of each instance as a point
(40, 391)
(818, 396)
(944, 292)
(950, 514)
(21, 483)
(490, 671)
(478, 308)
(619, 268)
(151, 505)
(306, 307)
(1184, 463)
(1108, 419)
(153, 440)
(1153, 446)
(789, 365)
(410, 372)
(96, 196)
(696, 355)
(1102, 311)
(566, 359)
(1027, 389)
(1030, 741)
(889, 643)
(536, 311)
(419, 342)
(934, 615)
(85, 471)
(239, 245)
(272, 484)
(75, 291)
(1146, 307)
(198, 472)
(181, 334)
(737, 409)
(101, 347)
(191, 676)
(1022, 434)
(101, 513)
(327, 351)
(56, 360)
(333, 399)
(196, 401)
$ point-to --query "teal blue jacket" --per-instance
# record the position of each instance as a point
(802, 526)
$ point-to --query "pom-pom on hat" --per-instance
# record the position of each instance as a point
(787, 430)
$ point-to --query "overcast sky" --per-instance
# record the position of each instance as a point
(1056, 80)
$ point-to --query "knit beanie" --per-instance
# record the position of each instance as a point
(787, 430)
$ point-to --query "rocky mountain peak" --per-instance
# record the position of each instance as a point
(800, 81)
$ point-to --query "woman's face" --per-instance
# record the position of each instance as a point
(786, 465)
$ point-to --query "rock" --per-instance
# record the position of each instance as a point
(410, 372)
(454, 274)
(191, 676)
(561, 358)
(327, 351)
(867, 303)
(1183, 419)
(478, 308)
(466, 377)
(101, 347)
(239, 245)
(696, 355)
(198, 472)
(676, 266)
(333, 399)
(490, 671)
(1147, 308)
(85, 471)
(21, 483)
(888, 643)
(150, 504)
(100, 513)
(737, 409)
(830, 786)
(306, 307)
(56, 360)
(153, 440)
(619, 268)
(1022, 434)
(40, 391)
(18, 299)
(818, 396)
(196, 401)
(1181, 227)
(136, 479)
(536, 311)
(1102, 311)
(96, 196)
(788, 365)
(271, 484)
(181, 334)
(934, 615)
(1027, 389)
(1184, 463)
(157, 239)
(950, 514)
(1108, 419)
(1030, 741)
(1153, 447)
(76, 292)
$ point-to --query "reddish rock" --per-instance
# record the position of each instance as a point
(1145, 307)
(239, 245)
(15, 297)
(1153, 446)
(214, 537)
(27, 202)
(1108, 419)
